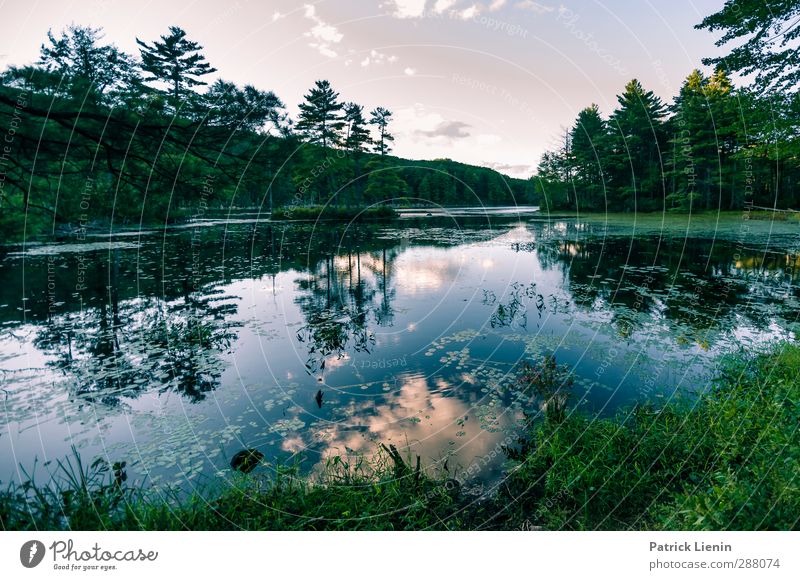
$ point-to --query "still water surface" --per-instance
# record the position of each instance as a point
(174, 349)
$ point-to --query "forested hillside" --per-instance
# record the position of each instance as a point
(715, 147)
(94, 135)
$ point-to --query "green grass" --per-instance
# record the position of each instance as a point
(334, 213)
(729, 459)
(778, 216)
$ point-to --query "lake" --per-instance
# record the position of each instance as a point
(173, 349)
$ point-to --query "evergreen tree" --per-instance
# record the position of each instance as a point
(636, 139)
(704, 141)
(588, 138)
(321, 118)
(690, 145)
(176, 61)
(83, 62)
(380, 117)
(248, 108)
(384, 184)
(767, 34)
(551, 188)
(357, 137)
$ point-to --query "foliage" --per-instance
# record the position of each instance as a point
(765, 34)
(715, 148)
(174, 60)
(729, 460)
(321, 119)
(91, 144)
(318, 212)
(380, 117)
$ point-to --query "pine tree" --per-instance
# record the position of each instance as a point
(245, 108)
(690, 145)
(636, 139)
(357, 137)
(380, 118)
(704, 140)
(84, 62)
(321, 118)
(766, 34)
(176, 61)
(588, 138)
(384, 184)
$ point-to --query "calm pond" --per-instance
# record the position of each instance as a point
(174, 349)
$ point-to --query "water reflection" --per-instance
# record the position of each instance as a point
(178, 350)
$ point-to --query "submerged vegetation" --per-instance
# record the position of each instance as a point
(727, 460)
(319, 212)
(94, 136)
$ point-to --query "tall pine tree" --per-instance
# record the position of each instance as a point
(321, 120)
(380, 117)
(588, 138)
(636, 139)
(175, 60)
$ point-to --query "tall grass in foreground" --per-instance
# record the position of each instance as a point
(727, 460)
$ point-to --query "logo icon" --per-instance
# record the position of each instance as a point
(31, 553)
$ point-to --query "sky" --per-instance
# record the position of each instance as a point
(492, 83)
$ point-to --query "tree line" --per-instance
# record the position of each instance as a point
(94, 134)
(715, 147)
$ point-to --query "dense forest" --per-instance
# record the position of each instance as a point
(715, 147)
(95, 135)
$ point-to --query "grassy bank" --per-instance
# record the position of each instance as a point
(728, 460)
(703, 218)
(334, 213)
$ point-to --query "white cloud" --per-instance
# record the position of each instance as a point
(442, 5)
(377, 57)
(496, 5)
(408, 8)
(410, 71)
(419, 125)
(423, 133)
(447, 130)
(533, 6)
(323, 34)
(470, 12)
(277, 16)
(523, 170)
